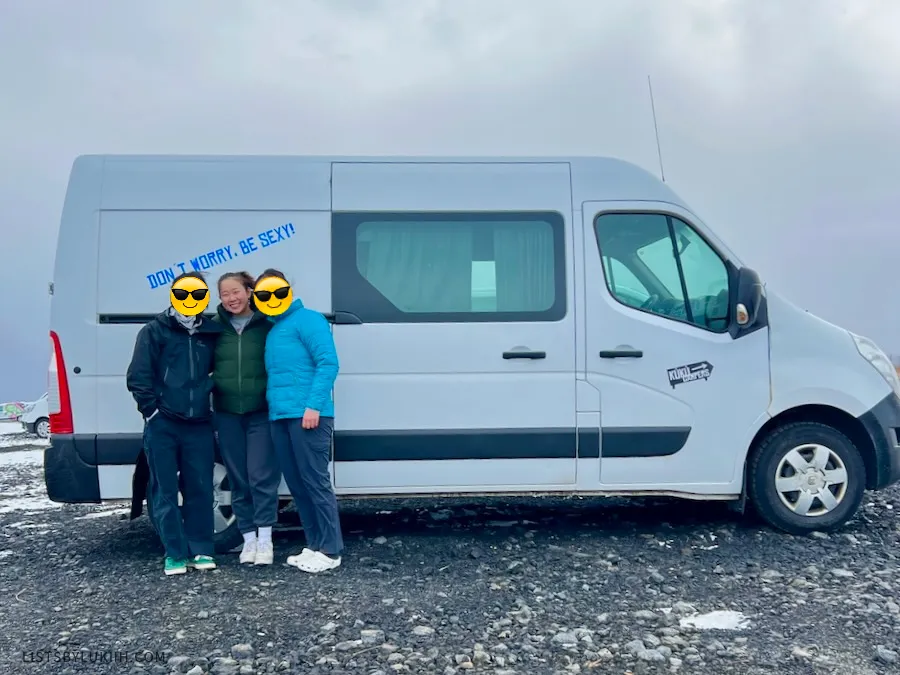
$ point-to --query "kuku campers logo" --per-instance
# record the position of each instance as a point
(689, 373)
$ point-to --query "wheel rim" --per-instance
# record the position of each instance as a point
(811, 480)
(223, 515)
(43, 429)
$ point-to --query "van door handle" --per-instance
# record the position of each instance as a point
(524, 355)
(621, 354)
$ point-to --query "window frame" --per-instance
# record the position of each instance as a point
(351, 291)
(730, 268)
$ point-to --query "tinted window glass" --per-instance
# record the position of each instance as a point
(409, 267)
(673, 271)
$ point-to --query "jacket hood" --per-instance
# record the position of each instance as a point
(204, 326)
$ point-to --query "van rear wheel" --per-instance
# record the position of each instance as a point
(226, 536)
(806, 477)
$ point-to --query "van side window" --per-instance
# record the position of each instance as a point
(449, 267)
(671, 270)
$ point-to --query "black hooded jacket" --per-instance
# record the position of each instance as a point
(170, 368)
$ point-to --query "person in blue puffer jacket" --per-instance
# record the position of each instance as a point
(302, 365)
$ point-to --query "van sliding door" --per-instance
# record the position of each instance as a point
(460, 373)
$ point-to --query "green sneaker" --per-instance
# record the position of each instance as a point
(175, 566)
(202, 562)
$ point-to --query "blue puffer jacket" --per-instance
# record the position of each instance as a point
(301, 363)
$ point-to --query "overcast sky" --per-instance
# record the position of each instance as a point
(779, 120)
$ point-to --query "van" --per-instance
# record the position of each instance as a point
(505, 326)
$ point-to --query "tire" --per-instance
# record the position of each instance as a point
(776, 461)
(226, 535)
(42, 428)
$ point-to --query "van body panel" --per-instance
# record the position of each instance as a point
(826, 369)
(216, 184)
(687, 434)
(73, 303)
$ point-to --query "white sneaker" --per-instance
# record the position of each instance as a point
(248, 553)
(265, 553)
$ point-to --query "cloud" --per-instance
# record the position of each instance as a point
(777, 119)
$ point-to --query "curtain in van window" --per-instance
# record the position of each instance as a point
(420, 267)
(523, 259)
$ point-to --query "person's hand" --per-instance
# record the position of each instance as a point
(310, 419)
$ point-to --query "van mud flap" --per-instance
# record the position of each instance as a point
(139, 485)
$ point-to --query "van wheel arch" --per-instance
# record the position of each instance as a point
(849, 447)
(829, 416)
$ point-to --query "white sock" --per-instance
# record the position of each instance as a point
(265, 535)
(249, 537)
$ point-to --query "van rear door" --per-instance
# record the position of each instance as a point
(460, 374)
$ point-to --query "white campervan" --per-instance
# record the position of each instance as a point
(504, 325)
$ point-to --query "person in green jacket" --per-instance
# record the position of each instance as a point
(241, 416)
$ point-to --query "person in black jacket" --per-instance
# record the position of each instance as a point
(169, 378)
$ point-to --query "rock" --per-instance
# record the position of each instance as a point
(423, 631)
(196, 670)
(635, 646)
(645, 614)
(565, 638)
(347, 645)
(842, 574)
(202, 614)
(379, 540)
(242, 651)
(179, 663)
(372, 636)
(800, 654)
(885, 655)
(651, 655)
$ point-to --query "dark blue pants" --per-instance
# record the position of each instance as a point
(246, 447)
(172, 446)
(304, 455)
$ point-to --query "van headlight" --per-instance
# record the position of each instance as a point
(879, 360)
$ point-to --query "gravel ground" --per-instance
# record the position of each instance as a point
(529, 587)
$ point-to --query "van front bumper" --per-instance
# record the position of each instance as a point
(882, 424)
(68, 474)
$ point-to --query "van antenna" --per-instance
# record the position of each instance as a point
(656, 131)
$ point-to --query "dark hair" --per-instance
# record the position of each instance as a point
(271, 272)
(184, 275)
(246, 279)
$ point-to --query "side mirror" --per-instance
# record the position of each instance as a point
(749, 304)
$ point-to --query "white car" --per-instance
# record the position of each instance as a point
(36, 418)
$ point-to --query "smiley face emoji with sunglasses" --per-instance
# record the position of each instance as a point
(189, 296)
(273, 295)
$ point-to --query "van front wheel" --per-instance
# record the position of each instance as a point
(806, 477)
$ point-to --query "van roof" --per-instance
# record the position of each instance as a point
(604, 178)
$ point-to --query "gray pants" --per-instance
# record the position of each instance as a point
(304, 455)
(253, 472)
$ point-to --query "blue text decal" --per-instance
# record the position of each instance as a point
(221, 255)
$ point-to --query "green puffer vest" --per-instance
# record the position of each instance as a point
(239, 375)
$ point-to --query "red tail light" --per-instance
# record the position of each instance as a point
(58, 400)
